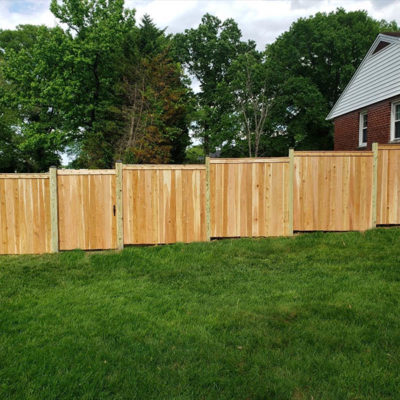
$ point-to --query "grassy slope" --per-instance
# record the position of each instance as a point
(315, 316)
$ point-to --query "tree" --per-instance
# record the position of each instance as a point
(310, 66)
(249, 85)
(156, 101)
(32, 95)
(99, 29)
(207, 53)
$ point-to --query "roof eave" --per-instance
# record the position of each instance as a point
(381, 36)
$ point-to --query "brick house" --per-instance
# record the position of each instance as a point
(369, 108)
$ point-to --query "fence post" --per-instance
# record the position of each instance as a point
(54, 209)
(119, 200)
(208, 216)
(374, 182)
(291, 183)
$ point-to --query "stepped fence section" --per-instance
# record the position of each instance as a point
(157, 204)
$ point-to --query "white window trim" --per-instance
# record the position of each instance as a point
(392, 121)
(360, 129)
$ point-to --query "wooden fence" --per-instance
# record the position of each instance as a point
(155, 204)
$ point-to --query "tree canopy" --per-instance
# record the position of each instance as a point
(102, 86)
(311, 65)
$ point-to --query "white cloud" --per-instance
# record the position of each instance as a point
(18, 12)
(259, 20)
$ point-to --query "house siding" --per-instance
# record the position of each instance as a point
(377, 79)
(347, 126)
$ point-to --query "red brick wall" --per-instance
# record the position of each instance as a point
(347, 126)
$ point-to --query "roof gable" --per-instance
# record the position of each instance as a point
(376, 79)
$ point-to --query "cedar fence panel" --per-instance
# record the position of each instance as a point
(24, 214)
(155, 204)
(333, 191)
(249, 197)
(86, 209)
(164, 204)
(388, 197)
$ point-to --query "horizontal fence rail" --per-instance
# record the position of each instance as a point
(225, 197)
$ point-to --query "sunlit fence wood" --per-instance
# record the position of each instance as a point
(388, 197)
(164, 203)
(249, 197)
(333, 190)
(24, 214)
(157, 204)
(87, 209)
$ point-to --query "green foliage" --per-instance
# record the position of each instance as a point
(99, 32)
(310, 66)
(207, 52)
(195, 155)
(68, 90)
(249, 85)
(312, 316)
(34, 88)
(156, 101)
(102, 88)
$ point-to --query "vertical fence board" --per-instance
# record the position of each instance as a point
(119, 205)
(54, 210)
(249, 197)
(308, 191)
(25, 221)
(332, 191)
(164, 204)
(388, 187)
(87, 210)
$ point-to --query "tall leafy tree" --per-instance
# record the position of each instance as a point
(32, 96)
(249, 85)
(156, 100)
(98, 29)
(310, 66)
(207, 53)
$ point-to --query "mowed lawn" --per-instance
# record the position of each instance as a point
(316, 316)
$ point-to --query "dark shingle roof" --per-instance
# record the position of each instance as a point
(395, 34)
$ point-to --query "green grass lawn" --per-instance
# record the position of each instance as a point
(316, 316)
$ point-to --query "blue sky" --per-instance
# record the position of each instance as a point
(260, 20)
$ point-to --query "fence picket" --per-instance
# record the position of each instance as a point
(152, 204)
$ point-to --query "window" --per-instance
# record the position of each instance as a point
(395, 123)
(363, 134)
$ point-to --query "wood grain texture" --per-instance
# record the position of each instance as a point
(332, 192)
(249, 199)
(249, 160)
(291, 182)
(24, 176)
(164, 205)
(119, 205)
(86, 211)
(388, 190)
(86, 172)
(208, 204)
(54, 210)
(25, 224)
(164, 166)
(374, 183)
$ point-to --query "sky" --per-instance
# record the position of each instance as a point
(260, 20)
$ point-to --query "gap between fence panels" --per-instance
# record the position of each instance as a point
(223, 198)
